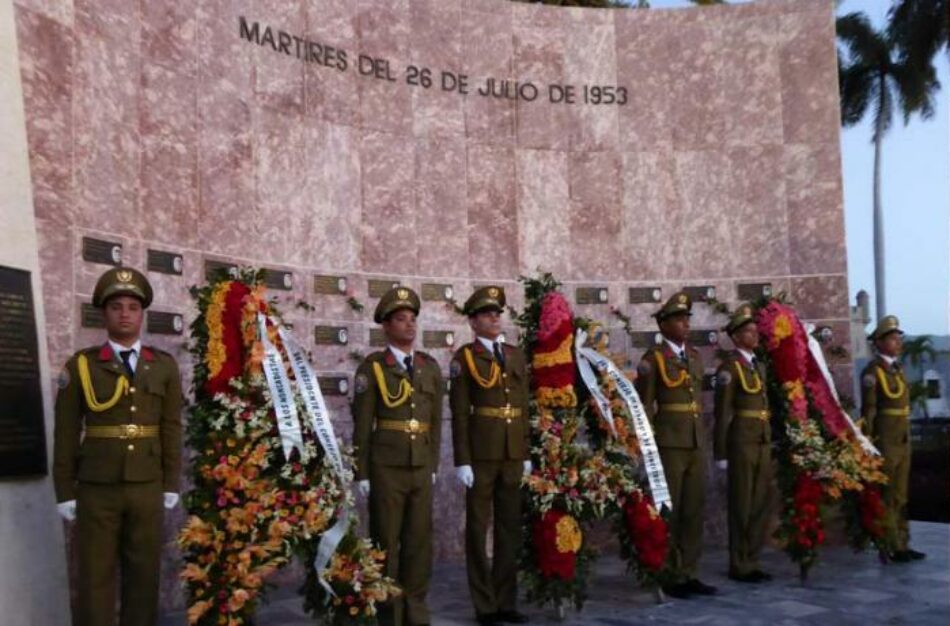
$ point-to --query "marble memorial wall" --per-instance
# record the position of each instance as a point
(349, 145)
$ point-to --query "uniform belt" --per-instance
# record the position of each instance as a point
(894, 412)
(760, 414)
(407, 426)
(680, 407)
(123, 431)
(503, 412)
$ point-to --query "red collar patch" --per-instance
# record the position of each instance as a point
(418, 359)
(479, 348)
(390, 358)
(147, 354)
(105, 352)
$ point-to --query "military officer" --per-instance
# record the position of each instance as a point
(117, 455)
(491, 436)
(885, 412)
(669, 381)
(742, 446)
(397, 414)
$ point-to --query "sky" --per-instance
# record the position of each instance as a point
(915, 196)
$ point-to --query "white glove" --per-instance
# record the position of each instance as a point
(67, 510)
(363, 486)
(171, 499)
(433, 478)
(527, 468)
(722, 464)
(465, 475)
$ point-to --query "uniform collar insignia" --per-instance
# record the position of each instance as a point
(147, 354)
(105, 352)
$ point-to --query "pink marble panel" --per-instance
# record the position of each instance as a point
(168, 34)
(168, 187)
(590, 59)
(821, 297)
(278, 74)
(225, 192)
(441, 210)
(492, 213)
(544, 211)
(815, 215)
(167, 103)
(57, 257)
(539, 53)
(436, 47)
(389, 223)
(60, 11)
(650, 202)
(331, 93)
(696, 99)
(106, 175)
(46, 47)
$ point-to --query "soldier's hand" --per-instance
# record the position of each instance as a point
(722, 464)
(527, 468)
(67, 510)
(465, 475)
(171, 499)
(363, 486)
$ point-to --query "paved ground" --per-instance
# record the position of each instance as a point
(843, 588)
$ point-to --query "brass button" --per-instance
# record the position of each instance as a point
(507, 390)
(131, 389)
(508, 421)
(504, 375)
(412, 437)
(131, 447)
(132, 408)
(412, 406)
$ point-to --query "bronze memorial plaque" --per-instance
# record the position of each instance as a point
(99, 251)
(165, 262)
(643, 295)
(591, 295)
(331, 335)
(330, 285)
(165, 323)
(378, 287)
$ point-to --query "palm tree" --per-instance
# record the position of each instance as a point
(916, 352)
(921, 28)
(871, 74)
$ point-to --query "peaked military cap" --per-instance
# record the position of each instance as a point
(122, 281)
(486, 298)
(888, 324)
(678, 304)
(740, 317)
(395, 299)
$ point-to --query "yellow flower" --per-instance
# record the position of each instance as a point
(568, 535)
(196, 610)
(782, 329)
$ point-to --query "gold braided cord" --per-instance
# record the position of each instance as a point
(121, 388)
(559, 356)
(893, 395)
(391, 400)
(661, 365)
(745, 383)
(493, 374)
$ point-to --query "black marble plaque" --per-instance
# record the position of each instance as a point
(22, 434)
(754, 291)
(100, 251)
(331, 335)
(330, 285)
(165, 262)
(644, 339)
(700, 293)
(703, 337)
(91, 317)
(592, 295)
(438, 338)
(334, 385)
(378, 287)
(278, 280)
(164, 323)
(377, 338)
(643, 295)
(709, 382)
(438, 292)
(213, 268)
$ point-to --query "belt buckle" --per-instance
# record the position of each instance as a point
(413, 425)
(506, 410)
(129, 431)
(694, 408)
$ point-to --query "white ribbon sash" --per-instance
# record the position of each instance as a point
(641, 425)
(282, 395)
(815, 348)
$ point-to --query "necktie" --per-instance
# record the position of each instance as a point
(499, 353)
(408, 363)
(683, 358)
(126, 355)
(755, 362)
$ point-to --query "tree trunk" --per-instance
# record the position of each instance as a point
(880, 299)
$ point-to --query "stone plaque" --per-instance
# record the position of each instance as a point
(438, 338)
(701, 293)
(437, 292)
(165, 262)
(330, 285)
(645, 339)
(643, 295)
(703, 337)
(164, 323)
(591, 295)
(377, 286)
(754, 291)
(91, 317)
(99, 251)
(334, 385)
(377, 338)
(214, 267)
(278, 279)
(22, 434)
(331, 335)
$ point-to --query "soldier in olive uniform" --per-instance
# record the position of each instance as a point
(117, 455)
(397, 414)
(491, 436)
(742, 446)
(669, 381)
(885, 413)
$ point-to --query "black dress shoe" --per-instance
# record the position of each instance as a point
(749, 577)
(762, 577)
(899, 556)
(914, 555)
(679, 590)
(694, 586)
(511, 617)
(487, 619)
